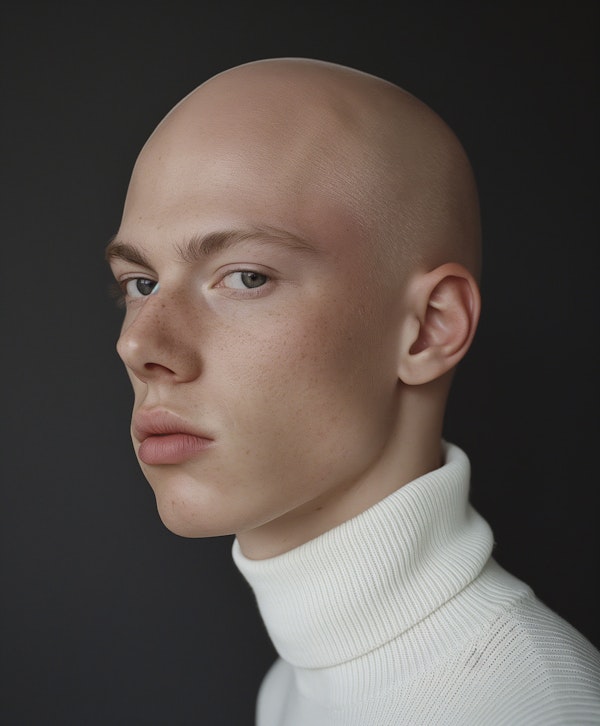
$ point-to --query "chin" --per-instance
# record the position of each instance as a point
(194, 516)
(186, 521)
(196, 507)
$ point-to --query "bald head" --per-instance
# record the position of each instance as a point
(297, 257)
(314, 142)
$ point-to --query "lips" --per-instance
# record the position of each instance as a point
(167, 439)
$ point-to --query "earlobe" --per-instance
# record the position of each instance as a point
(444, 307)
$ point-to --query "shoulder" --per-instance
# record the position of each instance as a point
(534, 668)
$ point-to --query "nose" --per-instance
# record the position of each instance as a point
(157, 342)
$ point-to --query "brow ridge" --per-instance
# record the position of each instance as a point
(201, 246)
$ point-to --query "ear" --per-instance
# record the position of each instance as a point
(442, 316)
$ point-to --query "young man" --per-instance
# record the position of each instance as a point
(299, 255)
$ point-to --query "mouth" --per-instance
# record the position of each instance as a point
(164, 438)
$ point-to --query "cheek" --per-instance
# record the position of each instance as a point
(299, 409)
(307, 374)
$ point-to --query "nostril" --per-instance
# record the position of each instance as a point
(151, 367)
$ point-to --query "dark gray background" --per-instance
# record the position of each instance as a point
(107, 618)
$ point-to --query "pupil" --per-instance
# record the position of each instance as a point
(145, 287)
(253, 279)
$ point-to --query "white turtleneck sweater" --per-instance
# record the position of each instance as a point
(400, 616)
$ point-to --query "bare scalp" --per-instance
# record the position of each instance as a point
(322, 131)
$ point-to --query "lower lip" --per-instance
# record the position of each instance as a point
(171, 448)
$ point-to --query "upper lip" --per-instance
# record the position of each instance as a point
(157, 422)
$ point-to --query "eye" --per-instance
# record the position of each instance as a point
(244, 280)
(140, 287)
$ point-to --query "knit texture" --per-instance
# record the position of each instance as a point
(401, 616)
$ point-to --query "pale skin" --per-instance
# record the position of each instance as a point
(298, 253)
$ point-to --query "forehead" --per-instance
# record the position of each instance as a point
(188, 185)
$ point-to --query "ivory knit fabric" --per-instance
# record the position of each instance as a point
(401, 616)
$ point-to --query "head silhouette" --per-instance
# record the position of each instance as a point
(299, 253)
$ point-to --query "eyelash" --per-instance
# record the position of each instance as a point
(117, 289)
(245, 291)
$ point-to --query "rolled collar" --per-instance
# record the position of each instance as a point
(373, 577)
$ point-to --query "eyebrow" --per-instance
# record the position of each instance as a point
(202, 246)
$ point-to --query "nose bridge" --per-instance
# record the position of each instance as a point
(157, 340)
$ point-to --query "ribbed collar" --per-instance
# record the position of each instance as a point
(373, 577)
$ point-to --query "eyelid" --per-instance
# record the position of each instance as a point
(233, 269)
(256, 267)
(146, 279)
(231, 273)
(118, 288)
